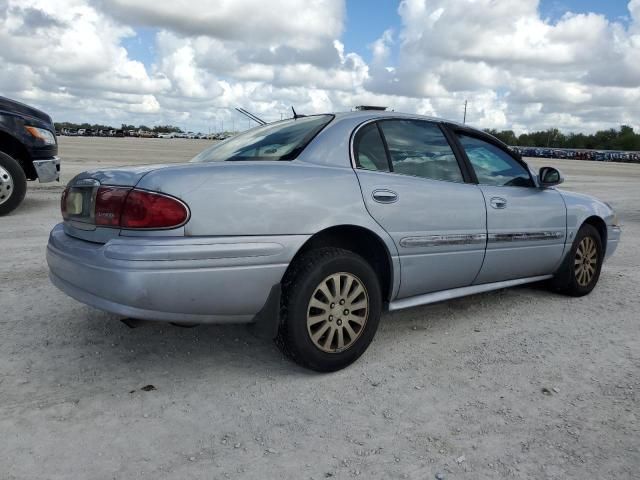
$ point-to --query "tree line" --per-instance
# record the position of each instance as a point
(623, 138)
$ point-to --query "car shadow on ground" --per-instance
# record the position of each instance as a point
(240, 348)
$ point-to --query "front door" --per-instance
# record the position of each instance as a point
(413, 187)
(526, 225)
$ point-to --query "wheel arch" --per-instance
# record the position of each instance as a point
(361, 241)
(599, 224)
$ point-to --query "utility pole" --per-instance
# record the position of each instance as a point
(464, 119)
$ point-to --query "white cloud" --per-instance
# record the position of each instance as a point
(276, 22)
(503, 50)
(517, 69)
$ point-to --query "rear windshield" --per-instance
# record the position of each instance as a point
(276, 141)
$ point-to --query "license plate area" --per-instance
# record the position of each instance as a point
(81, 201)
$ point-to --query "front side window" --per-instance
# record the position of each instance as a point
(420, 149)
(494, 166)
(369, 149)
(283, 140)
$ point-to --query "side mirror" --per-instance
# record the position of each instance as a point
(550, 177)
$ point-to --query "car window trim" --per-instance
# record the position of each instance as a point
(386, 147)
(468, 173)
(355, 149)
(466, 177)
(422, 120)
(456, 130)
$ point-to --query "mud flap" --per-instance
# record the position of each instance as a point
(267, 320)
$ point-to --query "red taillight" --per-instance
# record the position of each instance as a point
(152, 210)
(131, 208)
(109, 203)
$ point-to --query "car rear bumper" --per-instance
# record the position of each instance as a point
(48, 170)
(204, 279)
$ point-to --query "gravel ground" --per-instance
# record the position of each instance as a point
(454, 388)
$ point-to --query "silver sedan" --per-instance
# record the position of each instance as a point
(313, 226)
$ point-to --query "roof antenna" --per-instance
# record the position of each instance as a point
(295, 115)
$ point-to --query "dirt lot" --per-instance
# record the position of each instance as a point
(453, 388)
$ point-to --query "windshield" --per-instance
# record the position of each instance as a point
(276, 141)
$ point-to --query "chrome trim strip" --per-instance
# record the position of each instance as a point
(524, 236)
(460, 292)
(440, 240)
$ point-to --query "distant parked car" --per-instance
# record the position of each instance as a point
(28, 151)
(166, 135)
(311, 227)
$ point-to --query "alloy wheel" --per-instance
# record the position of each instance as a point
(586, 261)
(337, 312)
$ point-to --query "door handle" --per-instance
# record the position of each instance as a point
(384, 196)
(498, 202)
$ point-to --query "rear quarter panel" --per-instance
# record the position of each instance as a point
(267, 198)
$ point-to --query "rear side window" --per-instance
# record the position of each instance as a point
(494, 166)
(420, 149)
(369, 149)
(283, 140)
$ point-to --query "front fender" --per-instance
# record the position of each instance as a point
(580, 207)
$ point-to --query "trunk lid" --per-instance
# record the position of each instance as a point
(80, 199)
(119, 176)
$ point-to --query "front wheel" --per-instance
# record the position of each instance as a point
(13, 184)
(580, 271)
(330, 311)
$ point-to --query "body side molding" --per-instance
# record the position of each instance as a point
(439, 240)
(460, 292)
(524, 236)
(476, 238)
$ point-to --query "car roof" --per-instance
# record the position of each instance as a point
(365, 115)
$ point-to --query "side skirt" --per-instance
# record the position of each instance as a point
(460, 292)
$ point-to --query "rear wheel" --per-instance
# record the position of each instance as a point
(330, 309)
(13, 184)
(580, 271)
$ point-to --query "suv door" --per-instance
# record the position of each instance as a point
(526, 225)
(414, 187)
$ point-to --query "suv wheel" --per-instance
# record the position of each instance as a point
(330, 309)
(13, 184)
(580, 271)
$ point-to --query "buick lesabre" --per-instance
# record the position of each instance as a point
(312, 227)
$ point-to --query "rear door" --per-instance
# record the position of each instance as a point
(526, 225)
(416, 189)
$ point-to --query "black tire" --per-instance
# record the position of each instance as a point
(301, 282)
(567, 279)
(11, 194)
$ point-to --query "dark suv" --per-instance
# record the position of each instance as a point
(28, 151)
